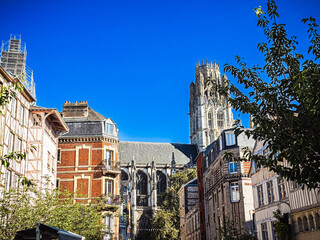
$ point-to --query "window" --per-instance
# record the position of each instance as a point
(11, 142)
(264, 231)
(49, 161)
(109, 223)
(19, 145)
(300, 225)
(8, 179)
(220, 119)
(21, 111)
(274, 232)
(311, 222)
(109, 129)
(13, 107)
(282, 190)
(108, 159)
(235, 194)
(36, 120)
(209, 119)
(161, 182)
(230, 138)
(317, 218)
(305, 224)
(108, 187)
(232, 165)
(142, 187)
(270, 191)
(260, 195)
(59, 156)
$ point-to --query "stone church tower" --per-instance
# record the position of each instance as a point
(209, 111)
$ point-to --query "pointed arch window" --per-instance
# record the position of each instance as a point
(142, 189)
(220, 119)
(209, 119)
(142, 181)
(161, 182)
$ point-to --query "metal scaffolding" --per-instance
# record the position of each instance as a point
(13, 56)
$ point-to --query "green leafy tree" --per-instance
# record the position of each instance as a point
(21, 208)
(228, 231)
(282, 225)
(283, 98)
(166, 221)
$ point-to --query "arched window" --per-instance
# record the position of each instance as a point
(311, 222)
(317, 218)
(220, 119)
(300, 225)
(142, 183)
(305, 224)
(161, 182)
(124, 176)
(209, 119)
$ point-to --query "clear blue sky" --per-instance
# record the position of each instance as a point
(133, 61)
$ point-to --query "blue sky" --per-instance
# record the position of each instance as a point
(133, 61)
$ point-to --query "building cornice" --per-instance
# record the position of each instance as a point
(88, 139)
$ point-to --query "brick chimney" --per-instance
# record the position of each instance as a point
(75, 110)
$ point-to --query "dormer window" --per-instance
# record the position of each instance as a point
(109, 129)
(230, 138)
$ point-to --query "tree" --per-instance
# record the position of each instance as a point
(166, 221)
(282, 225)
(21, 208)
(228, 232)
(283, 99)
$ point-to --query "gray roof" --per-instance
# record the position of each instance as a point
(162, 152)
(92, 128)
(92, 116)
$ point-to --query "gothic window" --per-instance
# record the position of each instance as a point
(220, 119)
(142, 189)
(305, 224)
(210, 119)
(161, 182)
(317, 218)
(311, 222)
(124, 176)
(300, 225)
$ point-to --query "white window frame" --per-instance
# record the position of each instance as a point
(230, 138)
(234, 192)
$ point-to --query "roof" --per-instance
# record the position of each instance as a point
(88, 128)
(54, 117)
(92, 116)
(47, 232)
(162, 153)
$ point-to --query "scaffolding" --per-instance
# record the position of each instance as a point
(13, 56)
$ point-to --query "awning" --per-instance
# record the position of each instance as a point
(46, 233)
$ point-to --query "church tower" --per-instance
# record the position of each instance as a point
(209, 111)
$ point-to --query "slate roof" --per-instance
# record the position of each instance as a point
(162, 152)
(80, 128)
(92, 116)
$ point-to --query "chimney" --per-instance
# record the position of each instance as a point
(75, 110)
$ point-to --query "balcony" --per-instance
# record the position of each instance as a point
(112, 203)
(114, 168)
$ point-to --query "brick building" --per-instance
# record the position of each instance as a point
(89, 159)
